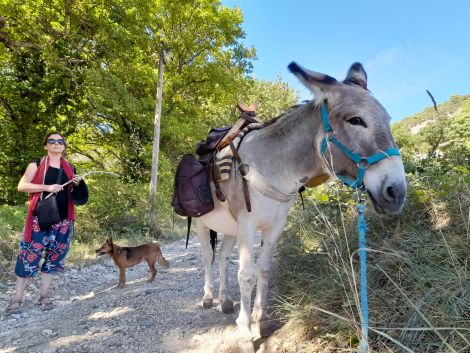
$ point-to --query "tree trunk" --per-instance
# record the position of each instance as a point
(154, 229)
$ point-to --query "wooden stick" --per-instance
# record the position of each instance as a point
(82, 176)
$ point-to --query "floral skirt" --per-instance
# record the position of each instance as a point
(53, 244)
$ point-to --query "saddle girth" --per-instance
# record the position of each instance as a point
(243, 172)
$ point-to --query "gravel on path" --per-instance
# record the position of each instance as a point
(92, 315)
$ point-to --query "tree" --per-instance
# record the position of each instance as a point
(40, 86)
(91, 73)
(156, 147)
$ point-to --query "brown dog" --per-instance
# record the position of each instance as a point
(132, 255)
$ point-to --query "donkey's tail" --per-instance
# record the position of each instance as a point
(213, 241)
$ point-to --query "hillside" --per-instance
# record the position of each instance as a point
(456, 105)
(444, 134)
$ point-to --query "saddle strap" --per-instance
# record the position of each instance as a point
(241, 166)
(215, 179)
(260, 184)
(250, 174)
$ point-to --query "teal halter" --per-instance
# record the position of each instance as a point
(362, 162)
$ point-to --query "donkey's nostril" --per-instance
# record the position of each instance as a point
(394, 193)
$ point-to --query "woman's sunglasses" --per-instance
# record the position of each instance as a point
(54, 141)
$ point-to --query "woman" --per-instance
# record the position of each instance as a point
(42, 177)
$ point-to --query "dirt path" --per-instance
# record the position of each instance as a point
(91, 315)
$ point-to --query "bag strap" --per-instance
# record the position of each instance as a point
(44, 176)
(189, 229)
(59, 178)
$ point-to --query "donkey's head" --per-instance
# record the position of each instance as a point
(362, 126)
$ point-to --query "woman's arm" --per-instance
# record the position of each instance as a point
(26, 185)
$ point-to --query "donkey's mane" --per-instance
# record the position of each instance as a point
(290, 109)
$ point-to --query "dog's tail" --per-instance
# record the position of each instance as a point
(162, 261)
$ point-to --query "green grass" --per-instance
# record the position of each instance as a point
(418, 271)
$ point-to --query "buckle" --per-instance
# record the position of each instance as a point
(243, 169)
(220, 195)
(361, 200)
(363, 163)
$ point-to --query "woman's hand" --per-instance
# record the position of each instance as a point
(54, 188)
(76, 180)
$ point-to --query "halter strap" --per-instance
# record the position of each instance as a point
(362, 162)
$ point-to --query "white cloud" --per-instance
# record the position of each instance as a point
(384, 59)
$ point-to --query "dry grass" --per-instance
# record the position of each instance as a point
(418, 273)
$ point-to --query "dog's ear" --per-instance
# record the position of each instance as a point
(109, 240)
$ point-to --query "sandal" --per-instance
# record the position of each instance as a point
(14, 307)
(45, 303)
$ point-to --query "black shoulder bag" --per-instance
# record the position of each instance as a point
(47, 210)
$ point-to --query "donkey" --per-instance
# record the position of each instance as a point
(284, 155)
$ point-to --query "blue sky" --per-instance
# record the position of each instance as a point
(406, 47)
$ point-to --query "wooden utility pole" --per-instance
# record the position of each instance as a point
(154, 229)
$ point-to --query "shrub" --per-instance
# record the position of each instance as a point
(418, 271)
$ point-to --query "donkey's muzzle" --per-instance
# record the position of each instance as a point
(391, 199)
(395, 193)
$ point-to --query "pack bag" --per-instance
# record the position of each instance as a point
(47, 210)
(205, 148)
(192, 195)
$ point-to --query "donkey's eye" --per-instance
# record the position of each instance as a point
(357, 121)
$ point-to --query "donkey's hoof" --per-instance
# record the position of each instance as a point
(207, 303)
(227, 307)
(263, 328)
(245, 347)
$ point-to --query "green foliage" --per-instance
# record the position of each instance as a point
(115, 206)
(418, 271)
(89, 71)
(422, 253)
(440, 138)
(12, 218)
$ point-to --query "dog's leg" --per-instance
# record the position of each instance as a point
(122, 277)
(207, 254)
(153, 269)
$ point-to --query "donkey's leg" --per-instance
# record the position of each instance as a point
(261, 327)
(207, 255)
(225, 300)
(246, 275)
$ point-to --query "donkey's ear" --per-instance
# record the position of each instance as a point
(318, 83)
(356, 76)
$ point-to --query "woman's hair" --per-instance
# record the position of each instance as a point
(64, 153)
